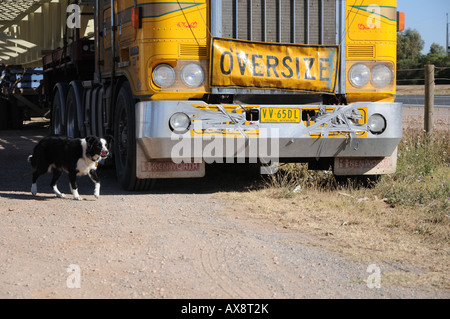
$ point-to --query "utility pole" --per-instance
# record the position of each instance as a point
(447, 48)
(429, 98)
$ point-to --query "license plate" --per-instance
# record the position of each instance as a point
(280, 115)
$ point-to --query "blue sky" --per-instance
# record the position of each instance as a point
(428, 17)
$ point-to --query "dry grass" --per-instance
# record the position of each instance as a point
(420, 89)
(401, 219)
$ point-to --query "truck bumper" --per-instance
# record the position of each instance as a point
(220, 132)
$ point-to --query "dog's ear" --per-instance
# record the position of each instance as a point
(89, 143)
(89, 140)
(108, 139)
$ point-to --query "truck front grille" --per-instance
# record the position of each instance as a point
(285, 21)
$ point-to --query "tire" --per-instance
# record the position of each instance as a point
(125, 142)
(93, 110)
(74, 110)
(15, 116)
(87, 105)
(101, 115)
(3, 114)
(57, 118)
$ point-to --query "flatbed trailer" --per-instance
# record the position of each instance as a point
(20, 96)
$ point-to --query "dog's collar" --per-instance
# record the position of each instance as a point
(93, 160)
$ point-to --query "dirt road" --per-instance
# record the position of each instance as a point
(177, 241)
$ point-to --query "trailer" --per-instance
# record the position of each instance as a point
(20, 96)
(183, 84)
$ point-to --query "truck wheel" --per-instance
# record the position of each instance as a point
(93, 110)
(15, 116)
(57, 125)
(87, 105)
(125, 142)
(100, 113)
(74, 110)
(3, 114)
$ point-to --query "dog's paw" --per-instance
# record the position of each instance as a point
(75, 194)
(97, 190)
(57, 192)
(33, 189)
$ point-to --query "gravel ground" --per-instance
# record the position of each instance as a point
(413, 118)
(177, 241)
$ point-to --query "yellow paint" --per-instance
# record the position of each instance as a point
(363, 120)
(229, 132)
(170, 31)
(177, 33)
(371, 24)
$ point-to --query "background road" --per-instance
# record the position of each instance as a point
(419, 100)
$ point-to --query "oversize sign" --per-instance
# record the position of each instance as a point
(276, 66)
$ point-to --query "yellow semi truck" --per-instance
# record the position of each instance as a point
(180, 84)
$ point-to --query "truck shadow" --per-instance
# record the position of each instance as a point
(219, 178)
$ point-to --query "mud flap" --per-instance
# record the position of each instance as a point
(165, 168)
(365, 165)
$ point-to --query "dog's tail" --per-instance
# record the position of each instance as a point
(32, 161)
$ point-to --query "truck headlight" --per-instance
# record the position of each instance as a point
(359, 75)
(381, 75)
(192, 75)
(376, 124)
(179, 123)
(164, 75)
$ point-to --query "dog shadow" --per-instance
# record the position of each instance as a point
(22, 196)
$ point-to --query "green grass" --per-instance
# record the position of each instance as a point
(423, 174)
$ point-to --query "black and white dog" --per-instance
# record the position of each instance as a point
(76, 156)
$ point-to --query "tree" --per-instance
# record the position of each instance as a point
(437, 49)
(438, 58)
(409, 45)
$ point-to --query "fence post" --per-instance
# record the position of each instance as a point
(429, 98)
